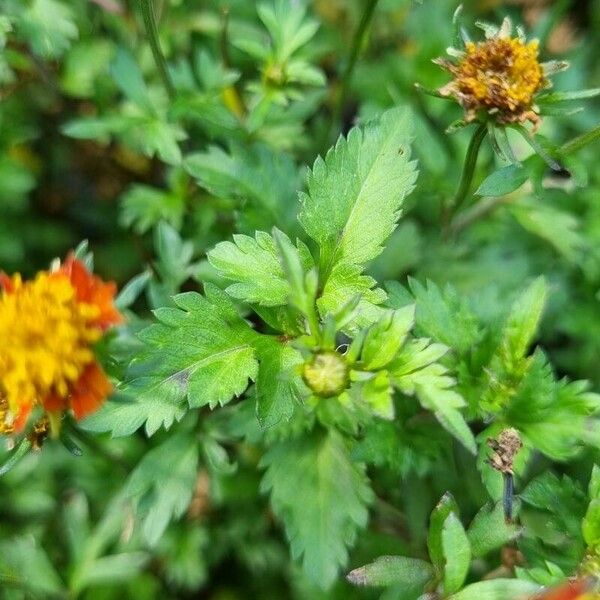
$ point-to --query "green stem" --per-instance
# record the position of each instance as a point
(489, 205)
(466, 178)
(580, 141)
(149, 17)
(357, 42)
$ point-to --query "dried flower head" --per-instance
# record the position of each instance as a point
(499, 77)
(505, 449)
(48, 326)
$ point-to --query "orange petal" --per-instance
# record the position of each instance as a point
(570, 590)
(92, 290)
(89, 391)
(6, 283)
(22, 416)
(53, 403)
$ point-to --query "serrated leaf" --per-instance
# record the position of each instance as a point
(352, 205)
(201, 350)
(168, 473)
(441, 314)
(377, 393)
(48, 26)
(278, 383)
(457, 554)
(322, 499)
(503, 181)
(345, 283)
(385, 337)
(254, 265)
(489, 531)
(265, 181)
(411, 573)
(523, 319)
(415, 372)
(355, 195)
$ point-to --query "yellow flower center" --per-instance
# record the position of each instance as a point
(500, 73)
(46, 336)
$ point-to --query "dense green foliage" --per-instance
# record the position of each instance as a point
(319, 342)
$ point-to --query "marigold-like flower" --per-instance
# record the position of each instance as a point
(498, 77)
(48, 327)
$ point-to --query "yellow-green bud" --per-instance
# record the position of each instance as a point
(326, 375)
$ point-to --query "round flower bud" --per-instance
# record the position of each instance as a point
(326, 375)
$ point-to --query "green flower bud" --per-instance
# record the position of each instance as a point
(326, 375)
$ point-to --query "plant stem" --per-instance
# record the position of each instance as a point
(357, 42)
(580, 141)
(149, 17)
(466, 178)
(475, 213)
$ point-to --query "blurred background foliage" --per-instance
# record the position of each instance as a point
(91, 147)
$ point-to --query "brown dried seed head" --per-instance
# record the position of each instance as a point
(505, 448)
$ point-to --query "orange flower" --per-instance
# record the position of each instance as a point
(48, 327)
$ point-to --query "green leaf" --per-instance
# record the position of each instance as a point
(25, 564)
(489, 531)
(353, 203)
(554, 97)
(254, 265)
(355, 195)
(415, 372)
(157, 137)
(143, 207)
(48, 26)
(441, 314)
(124, 414)
(278, 383)
(264, 180)
(128, 77)
(132, 290)
(411, 573)
(504, 181)
(594, 486)
(497, 589)
(194, 346)
(558, 228)
(523, 320)
(377, 393)
(115, 568)
(14, 456)
(590, 526)
(201, 350)
(385, 337)
(457, 554)
(321, 497)
(440, 513)
(166, 478)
